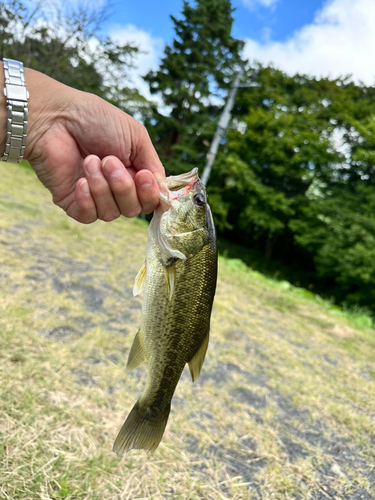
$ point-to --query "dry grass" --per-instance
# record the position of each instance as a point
(284, 407)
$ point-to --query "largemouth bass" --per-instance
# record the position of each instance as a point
(179, 281)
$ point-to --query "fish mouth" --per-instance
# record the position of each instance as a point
(176, 186)
(177, 182)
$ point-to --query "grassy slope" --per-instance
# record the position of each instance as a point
(284, 407)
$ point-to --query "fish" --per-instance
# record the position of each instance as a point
(178, 279)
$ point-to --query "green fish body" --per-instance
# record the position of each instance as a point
(179, 281)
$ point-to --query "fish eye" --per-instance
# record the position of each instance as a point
(199, 200)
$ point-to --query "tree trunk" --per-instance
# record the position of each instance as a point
(271, 240)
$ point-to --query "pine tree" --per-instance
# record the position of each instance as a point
(199, 64)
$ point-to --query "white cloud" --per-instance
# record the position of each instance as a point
(256, 3)
(148, 59)
(340, 41)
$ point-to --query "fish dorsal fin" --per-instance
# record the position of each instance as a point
(170, 278)
(137, 353)
(196, 362)
(140, 280)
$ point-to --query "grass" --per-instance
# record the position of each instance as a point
(284, 407)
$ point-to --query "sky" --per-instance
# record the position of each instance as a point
(318, 37)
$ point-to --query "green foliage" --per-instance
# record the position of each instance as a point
(199, 64)
(266, 171)
(339, 232)
(295, 181)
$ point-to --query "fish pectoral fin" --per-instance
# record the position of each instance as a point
(140, 281)
(170, 278)
(137, 354)
(196, 362)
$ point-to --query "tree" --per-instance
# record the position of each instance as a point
(265, 171)
(65, 43)
(198, 65)
(337, 228)
(296, 182)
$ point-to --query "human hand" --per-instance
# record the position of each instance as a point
(97, 161)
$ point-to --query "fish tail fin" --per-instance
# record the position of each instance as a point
(142, 430)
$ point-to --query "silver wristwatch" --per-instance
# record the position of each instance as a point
(16, 95)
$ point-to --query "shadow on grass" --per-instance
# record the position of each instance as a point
(271, 268)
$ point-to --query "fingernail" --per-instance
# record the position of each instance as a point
(144, 181)
(85, 187)
(145, 185)
(113, 171)
(91, 167)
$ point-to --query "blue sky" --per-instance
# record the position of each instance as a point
(317, 37)
(252, 18)
(322, 38)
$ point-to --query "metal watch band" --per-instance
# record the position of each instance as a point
(16, 95)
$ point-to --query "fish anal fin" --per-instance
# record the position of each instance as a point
(137, 354)
(142, 430)
(140, 281)
(196, 362)
(170, 279)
